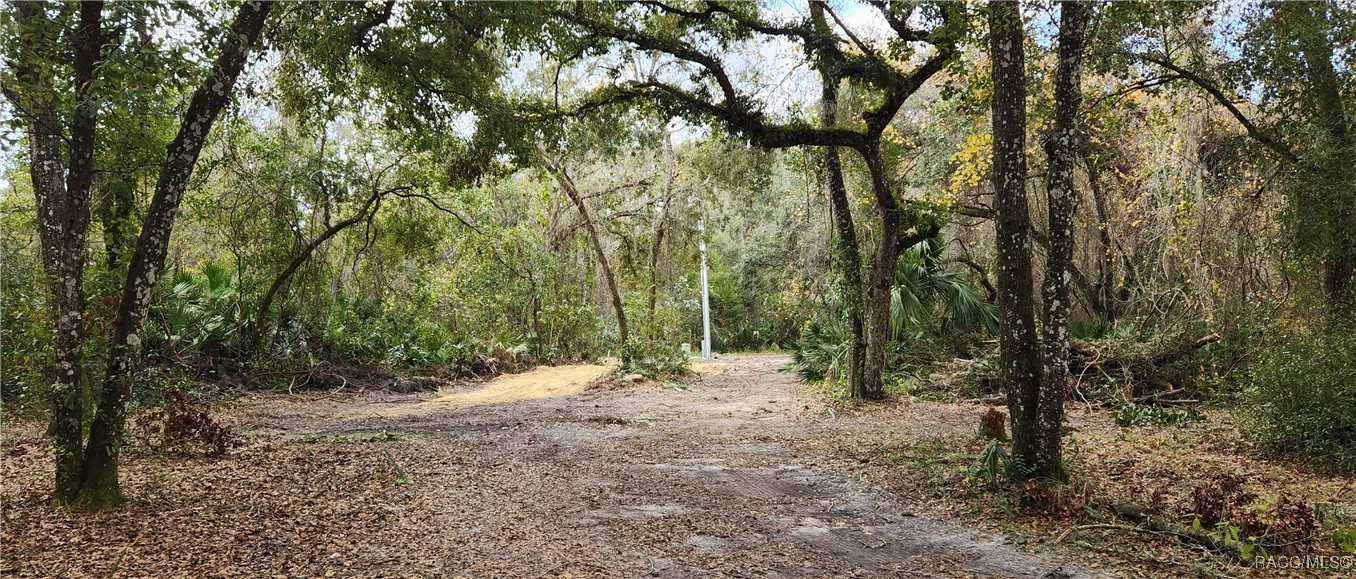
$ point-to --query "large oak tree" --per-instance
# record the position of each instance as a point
(688, 35)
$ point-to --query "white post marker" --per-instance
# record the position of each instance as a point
(706, 301)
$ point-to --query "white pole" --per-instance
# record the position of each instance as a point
(706, 300)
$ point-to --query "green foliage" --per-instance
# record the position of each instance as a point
(994, 462)
(1091, 328)
(1339, 521)
(1345, 539)
(25, 332)
(1131, 414)
(657, 360)
(926, 302)
(924, 292)
(359, 331)
(753, 307)
(396, 475)
(822, 351)
(1302, 395)
(198, 312)
(1243, 329)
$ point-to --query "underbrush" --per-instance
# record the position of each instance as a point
(1155, 498)
(180, 426)
(1131, 414)
(657, 360)
(1301, 396)
(934, 314)
(1294, 388)
(925, 365)
(202, 331)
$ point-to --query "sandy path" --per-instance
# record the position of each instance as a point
(718, 478)
(724, 478)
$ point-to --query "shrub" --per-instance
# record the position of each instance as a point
(1302, 394)
(1131, 414)
(198, 314)
(822, 351)
(656, 360)
(931, 311)
(25, 337)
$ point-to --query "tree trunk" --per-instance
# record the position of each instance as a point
(1018, 344)
(845, 243)
(1060, 149)
(99, 487)
(660, 221)
(1106, 298)
(567, 185)
(866, 305)
(265, 303)
(888, 248)
(893, 241)
(63, 203)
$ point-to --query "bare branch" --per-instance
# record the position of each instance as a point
(1215, 92)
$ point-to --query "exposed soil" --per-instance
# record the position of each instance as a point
(542, 382)
(725, 477)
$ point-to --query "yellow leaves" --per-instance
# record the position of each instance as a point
(892, 136)
(972, 162)
(1183, 215)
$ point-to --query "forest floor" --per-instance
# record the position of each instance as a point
(550, 474)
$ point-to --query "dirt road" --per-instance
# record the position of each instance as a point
(720, 479)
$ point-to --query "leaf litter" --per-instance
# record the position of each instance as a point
(724, 478)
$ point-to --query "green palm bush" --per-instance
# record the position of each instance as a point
(199, 314)
(924, 296)
(823, 348)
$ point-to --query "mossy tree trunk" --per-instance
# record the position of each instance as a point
(87, 468)
(1061, 146)
(1034, 368)
(1018, 344)
(845, 248)
(61, 187)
